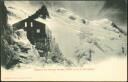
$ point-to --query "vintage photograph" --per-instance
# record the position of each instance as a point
(44, 35)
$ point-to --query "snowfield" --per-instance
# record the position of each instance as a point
(77, 39)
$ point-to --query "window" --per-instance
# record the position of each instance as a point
(38, 30)
(31, 24)
(25, 24)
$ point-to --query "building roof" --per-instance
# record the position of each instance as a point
(40, 20)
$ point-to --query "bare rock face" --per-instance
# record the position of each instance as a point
(16, 49)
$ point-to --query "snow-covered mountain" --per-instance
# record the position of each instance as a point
(81, 41)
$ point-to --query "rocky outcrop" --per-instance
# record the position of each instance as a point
(17, 49)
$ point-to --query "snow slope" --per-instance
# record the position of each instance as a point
(76, 39)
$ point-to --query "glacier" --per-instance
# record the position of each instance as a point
(78, 39)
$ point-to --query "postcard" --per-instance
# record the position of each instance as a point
(63, 40)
